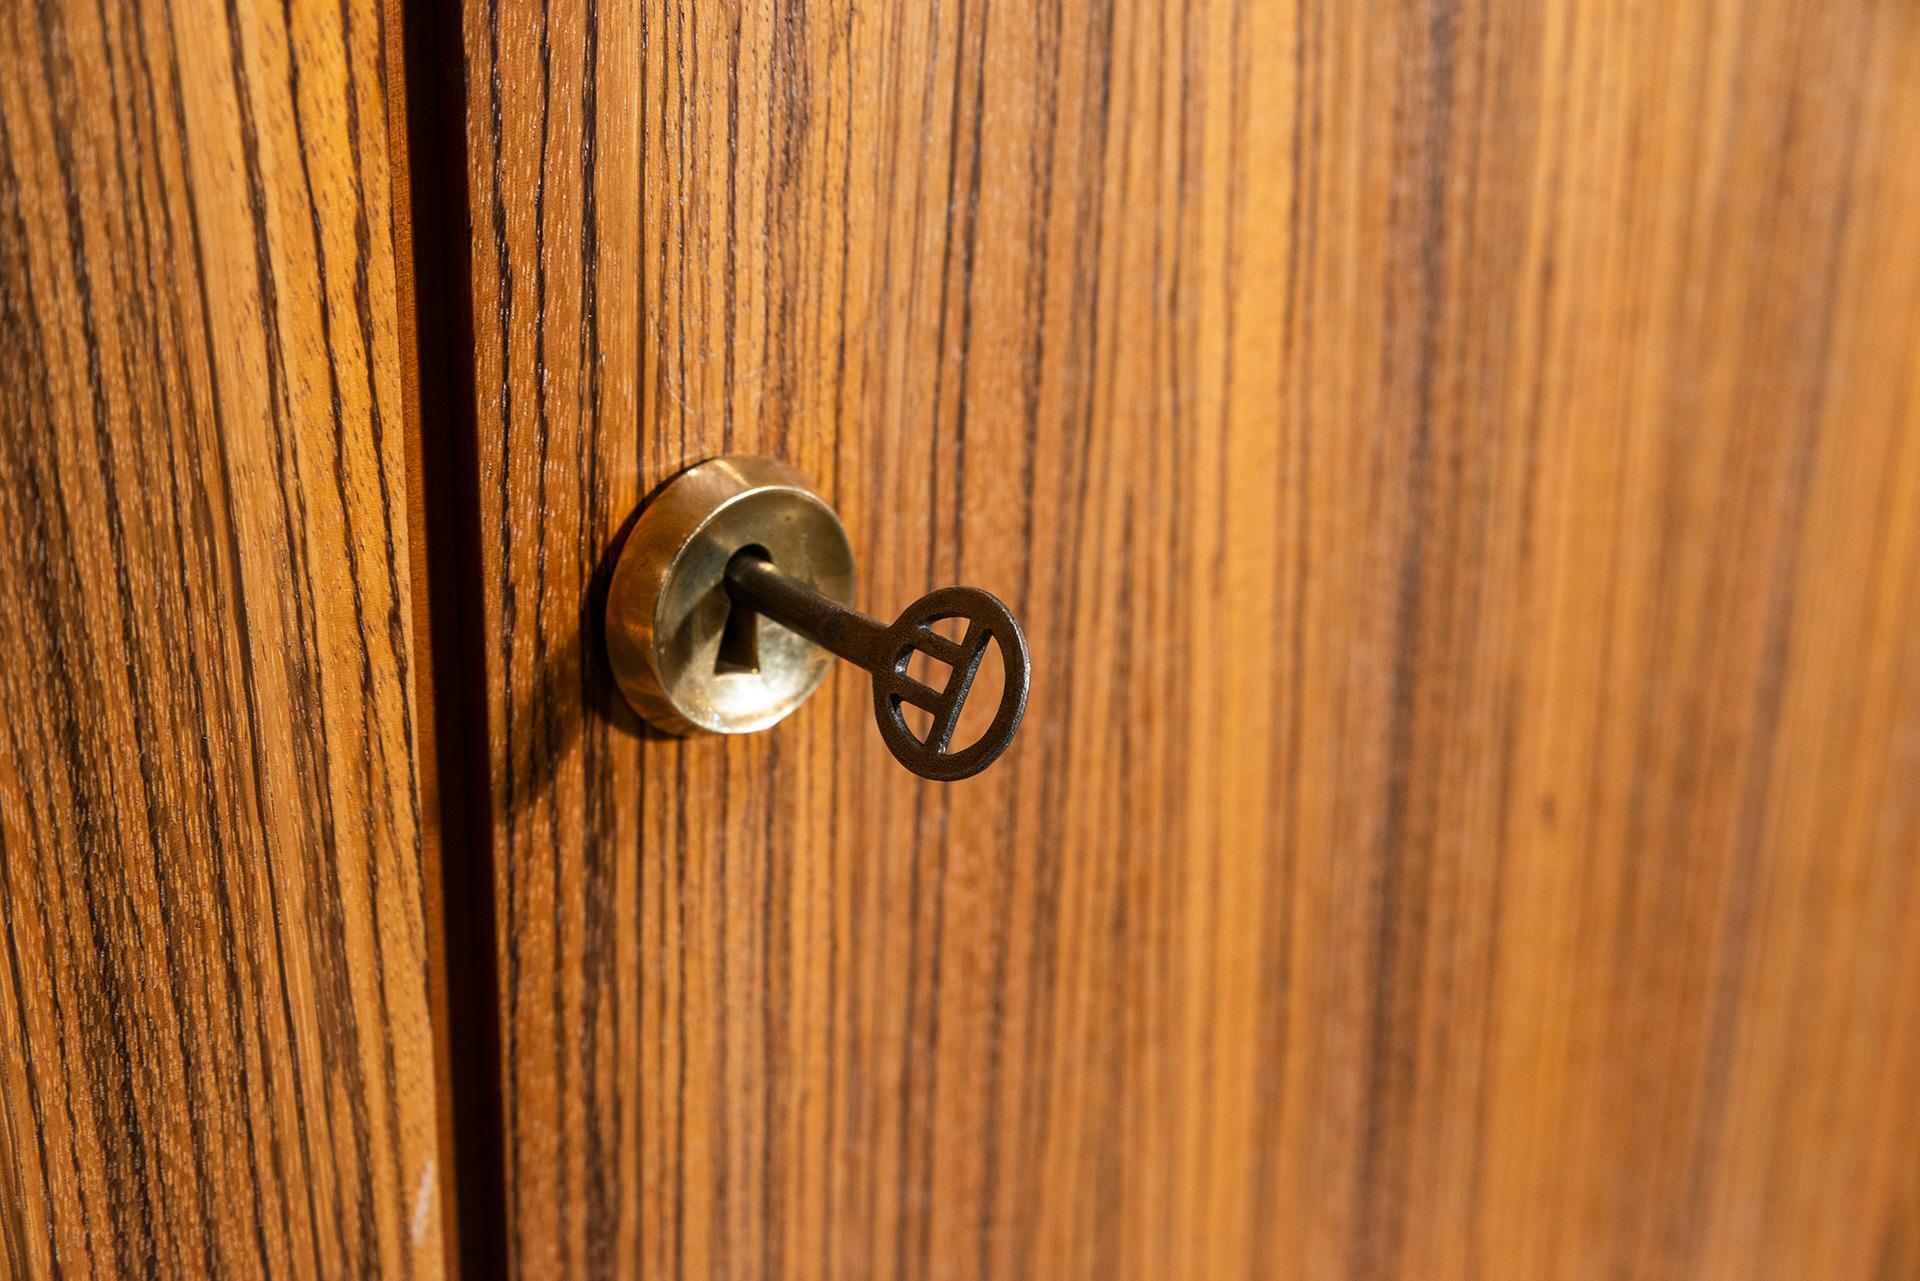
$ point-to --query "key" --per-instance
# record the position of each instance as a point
(884, 651)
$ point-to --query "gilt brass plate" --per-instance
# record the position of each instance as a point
(668, 608)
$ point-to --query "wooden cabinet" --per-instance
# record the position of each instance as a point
(1459, 468)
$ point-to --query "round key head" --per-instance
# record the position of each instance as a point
(988, 621)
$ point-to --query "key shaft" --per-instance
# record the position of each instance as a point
(793, 604)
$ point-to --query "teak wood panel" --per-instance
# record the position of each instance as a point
(1458, 466)
(215, 1050)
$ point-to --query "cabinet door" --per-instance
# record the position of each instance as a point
(1458, 466)
(215, 1051)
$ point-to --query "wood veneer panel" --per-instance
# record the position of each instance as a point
(213, 1003)
(1458, 466)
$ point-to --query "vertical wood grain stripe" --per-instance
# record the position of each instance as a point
(1458, 464)
(218, 1055)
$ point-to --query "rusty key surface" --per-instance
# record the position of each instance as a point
(884, 650)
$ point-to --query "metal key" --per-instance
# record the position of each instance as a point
(885, 650)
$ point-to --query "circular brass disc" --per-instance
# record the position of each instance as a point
(668, 607)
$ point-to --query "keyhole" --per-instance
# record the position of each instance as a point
(739, 652)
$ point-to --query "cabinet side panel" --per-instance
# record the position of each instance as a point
(213, 990)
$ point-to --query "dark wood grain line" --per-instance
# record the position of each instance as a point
(108, 1079)
(1399, 918)
(1040, 176)
(147, 148)
(506, 861)
(27, 329)
(600, 930)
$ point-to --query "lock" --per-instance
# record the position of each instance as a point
(733, 594)
(683, 656)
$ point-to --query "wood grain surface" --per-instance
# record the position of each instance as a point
(215, 1050)
(1459, 468)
